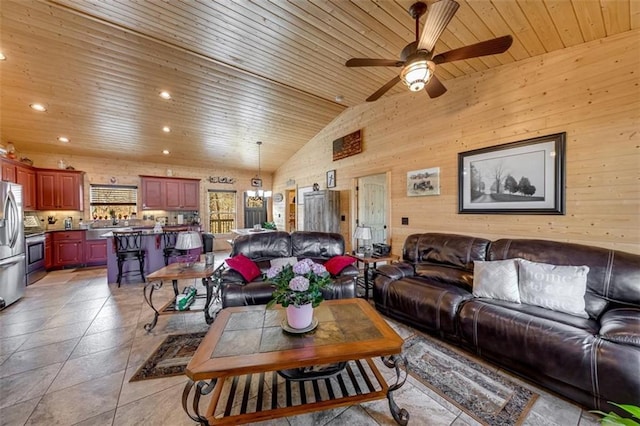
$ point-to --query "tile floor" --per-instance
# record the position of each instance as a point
(69, 347)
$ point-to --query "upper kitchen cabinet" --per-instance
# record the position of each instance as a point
(60, 189)
(152, 191)
(160, 193)
(13, 171)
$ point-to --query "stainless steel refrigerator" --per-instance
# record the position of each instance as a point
(12, 257)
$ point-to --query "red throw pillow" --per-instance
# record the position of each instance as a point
(244, 266)
(336, 264)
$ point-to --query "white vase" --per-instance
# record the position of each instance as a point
(300, 316)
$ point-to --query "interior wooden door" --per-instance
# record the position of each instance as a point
(372, 206)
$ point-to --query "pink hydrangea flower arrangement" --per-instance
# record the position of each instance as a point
(298, 284)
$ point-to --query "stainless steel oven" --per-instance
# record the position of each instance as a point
(35, 257)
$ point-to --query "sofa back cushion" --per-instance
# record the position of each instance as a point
(318, 246)
(262, 246)
(458, 251)
(613, 275)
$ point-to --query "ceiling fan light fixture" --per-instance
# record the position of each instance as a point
(417, 74)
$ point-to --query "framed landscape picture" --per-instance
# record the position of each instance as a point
(524, 177)
(423, 182)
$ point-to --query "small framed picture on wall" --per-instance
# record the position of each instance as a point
(331, 179)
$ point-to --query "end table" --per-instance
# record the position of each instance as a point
(174, 272)
(367, 260)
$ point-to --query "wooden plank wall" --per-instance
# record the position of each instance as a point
(591, 92)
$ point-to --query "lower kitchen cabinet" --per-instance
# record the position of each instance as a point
(48, 251)
(68, 248)
(95, 252)
(71, 248)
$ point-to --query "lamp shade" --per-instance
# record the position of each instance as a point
(188, 240)
(362, 233)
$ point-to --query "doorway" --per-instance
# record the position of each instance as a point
(372, 205)
(291, 212)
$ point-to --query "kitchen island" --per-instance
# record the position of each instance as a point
(153, 245)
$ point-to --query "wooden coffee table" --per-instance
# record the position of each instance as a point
(175, 272)
(243, 359)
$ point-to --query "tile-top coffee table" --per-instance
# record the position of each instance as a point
(254, 370)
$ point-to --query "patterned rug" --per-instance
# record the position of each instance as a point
(489, 397)
(171, 357)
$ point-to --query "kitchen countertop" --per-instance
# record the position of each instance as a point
(107, 232)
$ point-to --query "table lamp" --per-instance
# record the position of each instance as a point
(186, 241)
(363, 233)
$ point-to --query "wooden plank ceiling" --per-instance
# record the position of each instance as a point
(238, 71)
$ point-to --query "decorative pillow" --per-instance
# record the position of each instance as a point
(244, 266)
(283, 261)
(559, 288)
(496, 280)
(336, 264)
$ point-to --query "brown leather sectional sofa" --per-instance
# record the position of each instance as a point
(262, 247)
(589, 360)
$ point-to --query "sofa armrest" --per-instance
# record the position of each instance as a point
(340, 288)
(349, 271)
(621, 325)
(396, 271)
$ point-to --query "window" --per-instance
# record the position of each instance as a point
(107, 201)
(222, 211)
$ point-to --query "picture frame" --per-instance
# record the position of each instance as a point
(523, 177)
(423, 182)
(331, 179)
(256, 182)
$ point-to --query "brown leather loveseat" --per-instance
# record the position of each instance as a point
(590, 355)
(263, 247)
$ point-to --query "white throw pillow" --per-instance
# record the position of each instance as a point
(496, 279)
(282, 261)
(559, 288)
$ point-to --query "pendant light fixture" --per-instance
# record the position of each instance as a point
(256, 182)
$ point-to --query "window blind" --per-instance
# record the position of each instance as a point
(113, 195)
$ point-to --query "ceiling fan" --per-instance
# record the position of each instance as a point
(417, 60)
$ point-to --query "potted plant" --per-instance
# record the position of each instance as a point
(612, 418)
(298, 288)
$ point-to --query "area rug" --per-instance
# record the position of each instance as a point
(171, 357)
(487, 396)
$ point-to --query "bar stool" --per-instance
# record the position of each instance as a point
(129, 247)
(169, 239)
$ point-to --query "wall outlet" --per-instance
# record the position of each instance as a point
(405, 220)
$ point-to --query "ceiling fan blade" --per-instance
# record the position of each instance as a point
(489, 47)
(366, 62)
(438, 16)
(381, 91)
(435, 87)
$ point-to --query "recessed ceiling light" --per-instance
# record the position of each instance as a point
(165, 151)
(38, 107)
(2, 57)
(166, 129)
(339, 98)
(63, 139)
(165, 95)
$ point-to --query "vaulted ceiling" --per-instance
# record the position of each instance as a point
(238, 71)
